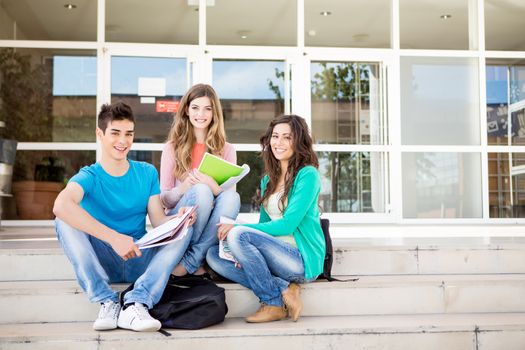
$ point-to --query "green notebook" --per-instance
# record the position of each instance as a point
(221, 170)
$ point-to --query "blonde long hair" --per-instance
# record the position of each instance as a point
(181, 133)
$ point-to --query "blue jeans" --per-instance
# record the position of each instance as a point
(97, 265)
(209, 211)
(268, 265)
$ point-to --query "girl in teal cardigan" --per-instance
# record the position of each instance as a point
(287, 246)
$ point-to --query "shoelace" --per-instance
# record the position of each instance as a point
(109, 309)
(141, 311)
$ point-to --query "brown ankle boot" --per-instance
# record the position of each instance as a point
(292, 301)
(267, 313)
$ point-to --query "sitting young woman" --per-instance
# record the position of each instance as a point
(287, 246)
(198, 127)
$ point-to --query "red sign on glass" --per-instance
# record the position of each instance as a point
(167, 106)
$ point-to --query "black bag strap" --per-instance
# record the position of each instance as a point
(325, 226)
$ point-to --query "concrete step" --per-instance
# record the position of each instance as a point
(429, 332)
(63, 301)
(44, 259)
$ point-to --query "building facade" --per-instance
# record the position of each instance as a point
(417, 107)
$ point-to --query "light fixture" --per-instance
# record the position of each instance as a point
(325, 13)
(243, 33)
(445, 17)
(70, 6)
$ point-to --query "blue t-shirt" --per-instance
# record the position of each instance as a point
(119, 202)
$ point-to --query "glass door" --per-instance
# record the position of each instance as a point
(153, 87)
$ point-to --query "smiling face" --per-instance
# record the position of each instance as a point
(281, 142)
(117, 139)
(200, 112)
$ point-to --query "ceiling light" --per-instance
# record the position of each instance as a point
(326, 13)
(70, 6)
(445, 17)
(243, 33)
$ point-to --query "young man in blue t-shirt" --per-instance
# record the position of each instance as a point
(100, 214)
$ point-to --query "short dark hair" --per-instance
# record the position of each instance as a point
(116, 111)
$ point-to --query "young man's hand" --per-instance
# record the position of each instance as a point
(125, 247)
(222, 231)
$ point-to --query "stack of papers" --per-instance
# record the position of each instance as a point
(169, 232)
(224, 249)
(226, 174)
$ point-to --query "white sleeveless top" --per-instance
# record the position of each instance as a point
(272, 208)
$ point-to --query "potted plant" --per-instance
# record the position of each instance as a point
(35, 198)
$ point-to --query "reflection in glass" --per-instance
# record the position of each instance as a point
(152, 21)
(352, 182)
(435, 24)
(151, 157)
(152, 87)
(251, 94)
(248, 188)
(48, 20)
(503, 22)
(38, 177)
(346, 105)
(506, 185)
(252, 22)
(347, 23)
(442, 185)
(439, 101)
(505, 102)
(48, 95)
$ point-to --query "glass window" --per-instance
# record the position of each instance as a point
(346, 103)
(48, 95)
(442, 185)
(251, 22)
(439, 101)
(152, 21)
(507, 185)
(48, 20)
(505, 101)
(434, 24)
(152, 157)
(249, 186)
(38, 177)
(347, 23)
(153, 88)
(251, 94)
(352, 182)
(504, 24)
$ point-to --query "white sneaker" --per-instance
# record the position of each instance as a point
(107, 316)
(136, 317)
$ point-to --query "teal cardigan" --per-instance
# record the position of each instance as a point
(300, 218)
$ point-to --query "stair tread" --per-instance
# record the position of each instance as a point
(43, 239)
(236, 327)
(388, 281)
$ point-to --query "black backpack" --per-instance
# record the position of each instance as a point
(329, 255)
(189, 302)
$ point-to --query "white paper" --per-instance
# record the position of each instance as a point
(224, 250)
(165, 230)
(234, 179)
(147, 100)
(183, 232)
(152, 87)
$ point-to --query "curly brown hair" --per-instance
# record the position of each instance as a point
(303, 155)
(181, 133)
